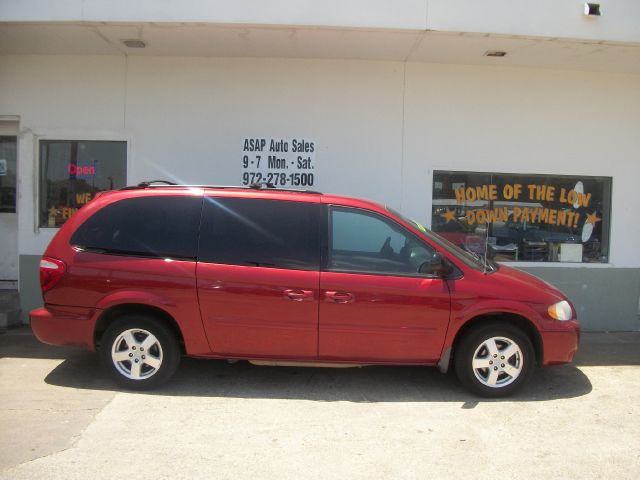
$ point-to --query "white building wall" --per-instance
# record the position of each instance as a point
(57, 97)
(523, 120)
(336, 13)
(541, 18)
(185, 119)
(194, 113)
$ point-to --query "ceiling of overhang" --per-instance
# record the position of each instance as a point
(257, 41)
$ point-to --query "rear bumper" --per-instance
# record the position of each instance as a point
(561, 343)
(58, 325)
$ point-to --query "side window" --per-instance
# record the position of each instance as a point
(261, 233)
(163, 226)
(365, 242)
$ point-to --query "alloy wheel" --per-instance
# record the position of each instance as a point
(136, 354)
(497, 362)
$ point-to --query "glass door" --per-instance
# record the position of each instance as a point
(8, 217)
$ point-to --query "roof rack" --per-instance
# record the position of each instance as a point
(254, 186)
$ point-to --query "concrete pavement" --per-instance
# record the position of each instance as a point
(61, 417)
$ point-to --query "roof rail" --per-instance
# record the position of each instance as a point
(255, 186)
(149, 183)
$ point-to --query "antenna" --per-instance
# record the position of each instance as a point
(486, 247)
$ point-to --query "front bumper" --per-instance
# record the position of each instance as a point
(57, 325)
(561, 343)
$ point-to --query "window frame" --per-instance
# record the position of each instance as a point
(328, 236)
(70, 136)
(520, 263)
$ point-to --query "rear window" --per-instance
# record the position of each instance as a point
(261, 233)
(163, 226)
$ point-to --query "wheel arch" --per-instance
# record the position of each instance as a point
(114, 312)
(508, 318)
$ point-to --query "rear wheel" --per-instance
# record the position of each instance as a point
(494, 360)
(140, 352)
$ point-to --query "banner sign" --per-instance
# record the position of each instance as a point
(516, 192)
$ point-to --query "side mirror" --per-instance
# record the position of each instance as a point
(437, 266)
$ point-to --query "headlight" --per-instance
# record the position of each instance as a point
(560, 311)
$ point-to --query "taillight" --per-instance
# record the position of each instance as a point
(51, 271)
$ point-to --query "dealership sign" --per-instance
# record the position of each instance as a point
(281, 162)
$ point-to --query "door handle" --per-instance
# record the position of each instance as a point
(299, 295)
(339, 297)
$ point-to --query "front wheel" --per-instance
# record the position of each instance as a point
(140, 352)
(494, 360)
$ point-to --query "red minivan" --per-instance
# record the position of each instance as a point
(147, 274)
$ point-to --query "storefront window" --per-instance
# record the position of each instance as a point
(72, 172)
(7, 174)
(531, 218)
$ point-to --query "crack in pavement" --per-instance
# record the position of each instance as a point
(72, 440)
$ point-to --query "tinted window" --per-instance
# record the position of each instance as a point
(368, 243)
(149, 226)
(264, 233)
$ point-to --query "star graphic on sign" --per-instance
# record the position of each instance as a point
(53, 212)
(593, 218)
(449, 215)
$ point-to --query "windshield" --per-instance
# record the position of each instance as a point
(471, 259)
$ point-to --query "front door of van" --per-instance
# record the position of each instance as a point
(258, 277)
(374, 305)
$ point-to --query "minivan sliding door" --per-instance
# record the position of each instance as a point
(258, 277)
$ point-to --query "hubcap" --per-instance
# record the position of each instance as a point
(136, 354)
(497, 362)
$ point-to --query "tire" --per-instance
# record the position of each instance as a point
(140, 352)
(480, 365)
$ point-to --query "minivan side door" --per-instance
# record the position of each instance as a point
(374, 304)
(258, 277)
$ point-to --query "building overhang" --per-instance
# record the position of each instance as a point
(215, 40)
